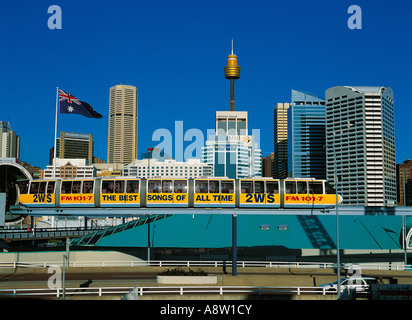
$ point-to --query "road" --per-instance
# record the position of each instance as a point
(20, 279)
(131, 277)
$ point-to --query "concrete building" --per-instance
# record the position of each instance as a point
(306, 136)
(280, 159)
(9, 142)
(267, 165)
(408, 192)
(151, 168)
(404, 183)
(231, 123)
(108, 169)
(360, 125)
(122, 137)
(69, 168)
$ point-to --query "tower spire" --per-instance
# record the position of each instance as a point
(232, 72)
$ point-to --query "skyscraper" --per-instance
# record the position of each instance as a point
(231, 151)
(267, 165)
(404, 176)
(360, 125)
(306, 136)
(122, 137)
(280, 155)
(73, 145)
(9, 142)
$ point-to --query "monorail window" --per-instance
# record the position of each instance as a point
(167, 186)
(329, 189)
(315, 187)
(290, 187)
(132, 186)
(23, 186)
(227, 187)
(214, 186)
(119, 186)
(34, 187)
(88, 186)
(302, 187)
(154, 186)
(107, 186)
(66, 186)
(201, 187)
(180, 186)
(259, 187)
(42, 187)
(50, 186)
(76, 186)
(246, 187)
(272, 187)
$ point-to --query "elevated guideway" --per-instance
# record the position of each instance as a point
(132, 212)
(44, 233)
(91, 239)
(366, 228)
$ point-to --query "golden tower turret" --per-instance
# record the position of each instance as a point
(232, 72)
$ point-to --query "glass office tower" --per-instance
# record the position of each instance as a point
(306, 136)
(231, 151)
(72, 145)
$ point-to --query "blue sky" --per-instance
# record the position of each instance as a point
(175, 51)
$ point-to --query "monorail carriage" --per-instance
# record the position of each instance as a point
(177, 192)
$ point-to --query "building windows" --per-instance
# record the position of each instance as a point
(364, 160)
(170, 168)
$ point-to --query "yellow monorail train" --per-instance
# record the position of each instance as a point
(167, 192)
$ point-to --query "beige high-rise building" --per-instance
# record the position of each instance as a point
(122, 138)
(280, 161)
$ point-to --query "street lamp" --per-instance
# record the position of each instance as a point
(149, 156)
(65, 260)
(337, 218)
(405, 245)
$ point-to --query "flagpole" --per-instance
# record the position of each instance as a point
(55, 134)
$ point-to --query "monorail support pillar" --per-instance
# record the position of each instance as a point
(3, 197)
(234, 244)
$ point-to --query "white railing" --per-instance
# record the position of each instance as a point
(194, 264)
(58, 292)
(221, 290)
(167, 263)
(132, 293)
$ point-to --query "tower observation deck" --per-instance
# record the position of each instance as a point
(232, 72)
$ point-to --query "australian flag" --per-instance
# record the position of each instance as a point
(70, 104)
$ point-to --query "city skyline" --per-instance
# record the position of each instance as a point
(179, 70)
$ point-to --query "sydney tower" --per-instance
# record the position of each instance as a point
(232, 72)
